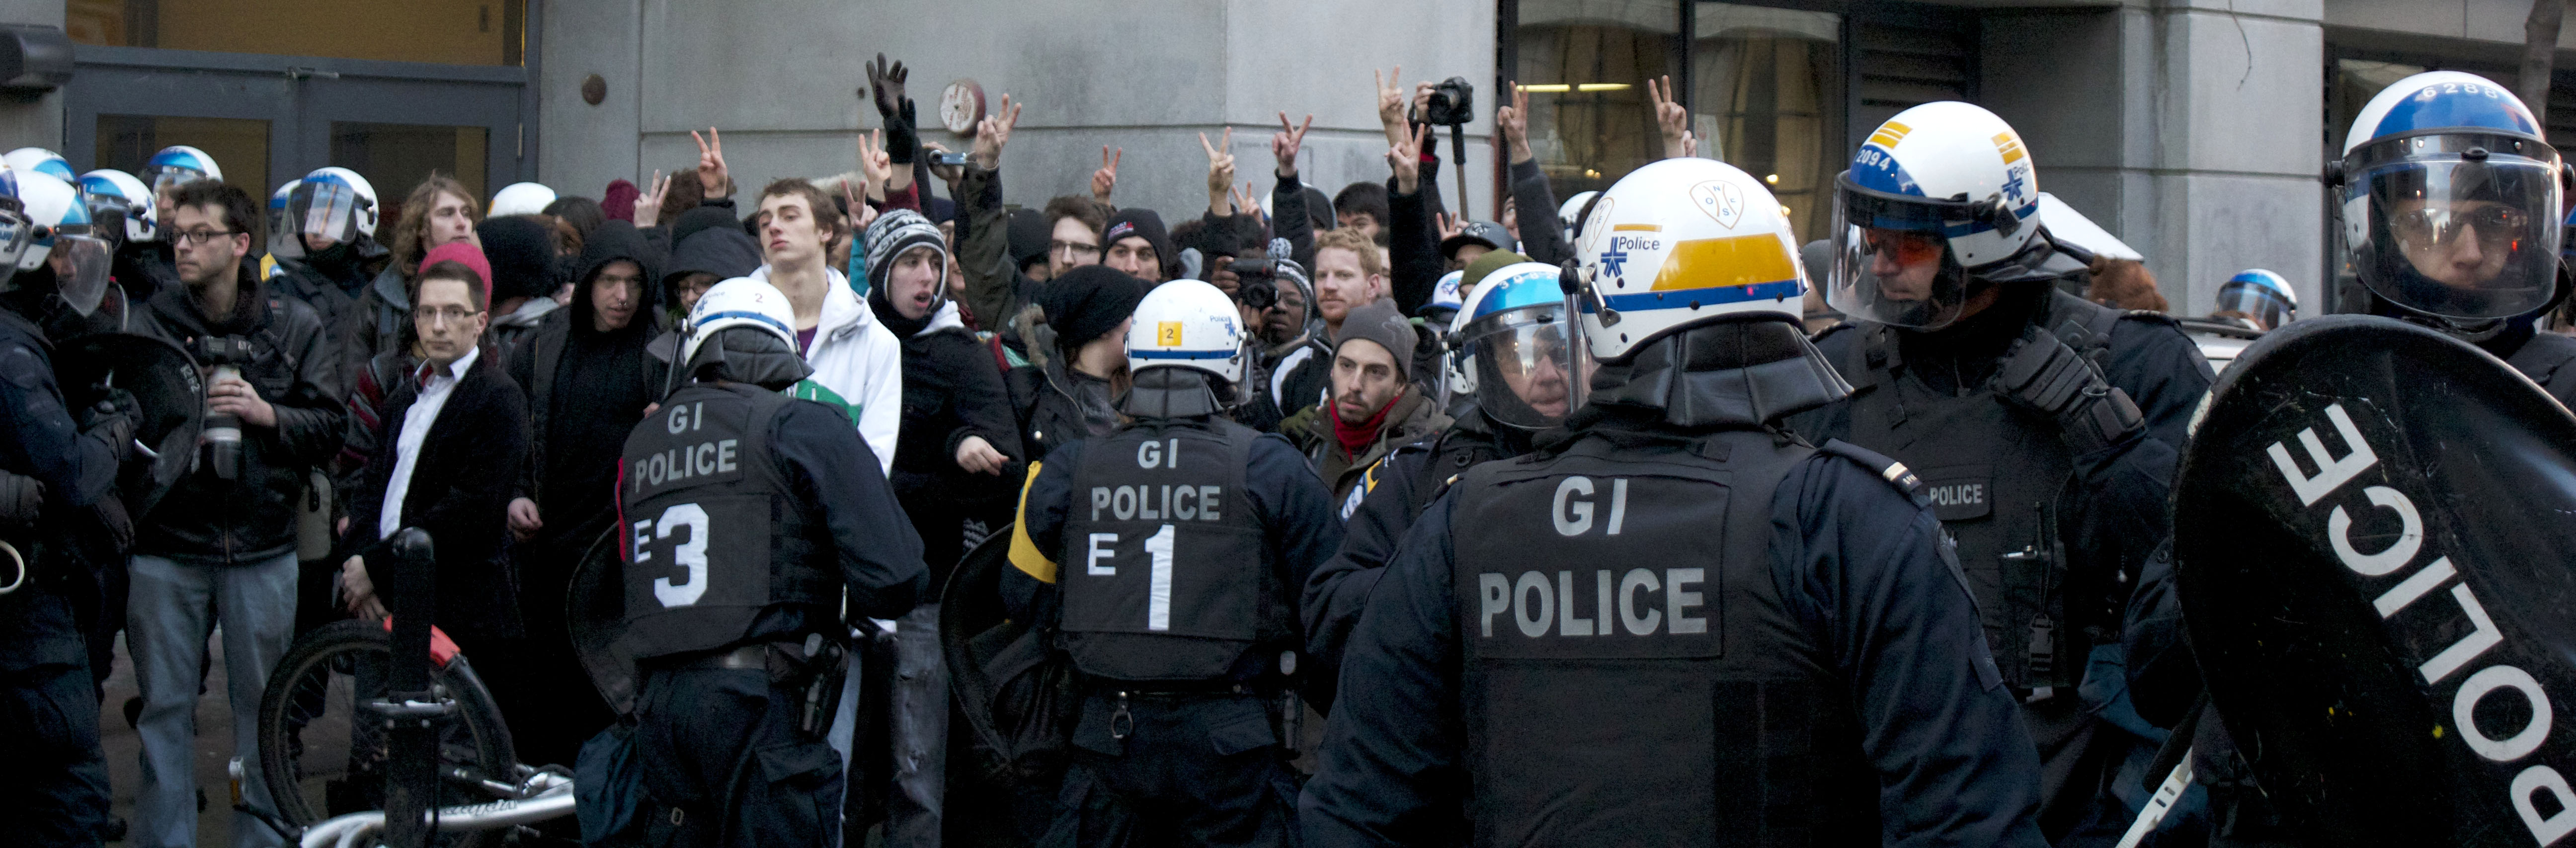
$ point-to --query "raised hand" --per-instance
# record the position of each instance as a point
(886, 83)
(1245, 202)
(1105, 180)
(874, 164)
(861, 215)
(713, 177)
(1220, 176)
(1513, 122)
(949, 174)
(648, 203)
(1672, 118)
(1390, 102)
(1285, 143)
(1405, 159)
(994, 132)
(1448, 225)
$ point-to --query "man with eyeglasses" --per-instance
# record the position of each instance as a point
(458, 421)
(1001, 299)
(220, 547)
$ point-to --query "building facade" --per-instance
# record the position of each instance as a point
(2195, 130)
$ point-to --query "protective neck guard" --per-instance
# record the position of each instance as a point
(1742, 373)
(1172, 392)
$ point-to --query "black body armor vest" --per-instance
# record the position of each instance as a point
(1994, 475)
(712, 532)
(2547, 360)
(1166, 574)
(1630, 676)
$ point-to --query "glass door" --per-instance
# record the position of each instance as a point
(448, 94)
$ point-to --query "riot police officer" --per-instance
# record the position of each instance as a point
(1678, 623)
(2045, 427)
(55, 791)
(1183, 538)
(2449, 200)
(1511, 355)
(748, 518)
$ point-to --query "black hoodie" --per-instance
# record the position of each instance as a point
(586, 391)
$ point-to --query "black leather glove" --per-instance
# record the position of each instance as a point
(903, 139)
(114, 418)
(21, 498)
(2041, 374)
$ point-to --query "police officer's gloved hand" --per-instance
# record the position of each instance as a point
(114, 419)
(2040, 373)
(21, 498)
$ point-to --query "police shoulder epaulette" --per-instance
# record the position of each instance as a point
(1892, 471)
(1838, 326)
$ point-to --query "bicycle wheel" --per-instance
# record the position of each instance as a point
(322, 756)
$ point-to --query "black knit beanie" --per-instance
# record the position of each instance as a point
(1088, 301)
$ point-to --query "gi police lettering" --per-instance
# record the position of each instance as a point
(2415, 603)
(704, 460)
(1536, 609)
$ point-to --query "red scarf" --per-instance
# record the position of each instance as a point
(1355, 438)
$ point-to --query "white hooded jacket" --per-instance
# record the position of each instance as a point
(860, 361)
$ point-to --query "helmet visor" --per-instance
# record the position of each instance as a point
(1529, 372)
(80, 265)
(1892, 260)
(323, 210)
(167, 177)
(2262, 304)
(2470, 237)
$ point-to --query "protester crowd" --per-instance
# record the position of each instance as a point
(985, 369)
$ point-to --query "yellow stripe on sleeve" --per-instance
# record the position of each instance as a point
(1024, 552)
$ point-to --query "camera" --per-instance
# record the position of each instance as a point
(225, 355)
(1452, 103)
(948, 159)
(1257, 289)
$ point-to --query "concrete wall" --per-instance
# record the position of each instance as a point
(780, 79)
(28, 120)
(2188, 130)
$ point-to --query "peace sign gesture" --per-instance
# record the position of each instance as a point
(1105, 180)
(1405, 159)
(1285, 143)
(1673, 118)
(993, 132)
(1220, 172)
(712, 174)
(1513, 122)
(1390, 102)
(648, 202)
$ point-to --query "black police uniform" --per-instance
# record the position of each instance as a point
(1397, 488)
(2050, 537)
(1649, 637)
(54, 791)
(745, 516)
(1183, 541)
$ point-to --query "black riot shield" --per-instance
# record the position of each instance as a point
(167, 387)
(1015, 689)
(2375, 538)
(595, 612)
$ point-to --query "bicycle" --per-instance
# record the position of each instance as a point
(322, 750)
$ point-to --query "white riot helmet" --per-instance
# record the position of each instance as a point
(119, 196)
(179, 165)
(60, 236)
(2451, 201)
(1187, 324)
(744, 303)
(1676, 244)
(1942, 194)
(521, 199)
(41, 161)
(333, 203)
(282, 239)
(1512, 348)
(1571, 211)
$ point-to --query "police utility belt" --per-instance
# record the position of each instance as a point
(815, 668)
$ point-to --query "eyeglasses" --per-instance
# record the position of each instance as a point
(1076, 249)
(2495, 225)
(1910, 247)
(447, 315)
(194, 237)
